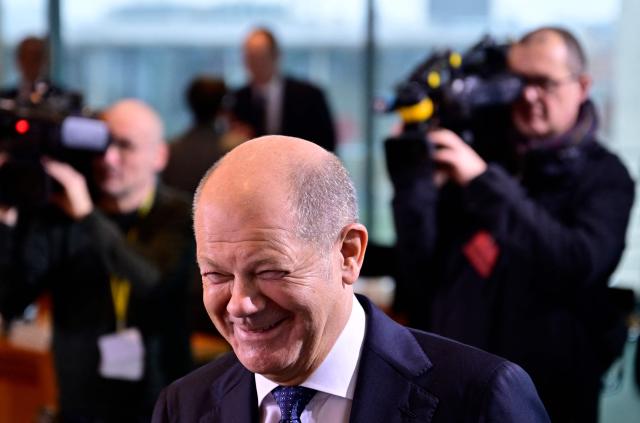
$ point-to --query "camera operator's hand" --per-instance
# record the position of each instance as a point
(454, 158)
(74, 200)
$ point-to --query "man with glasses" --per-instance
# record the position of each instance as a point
(513, 255)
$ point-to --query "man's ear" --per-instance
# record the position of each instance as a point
(585, 85)
(161, 156)
(353, 243)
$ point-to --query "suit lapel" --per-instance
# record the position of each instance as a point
(237, 401)
(390, 364)
(388, 387)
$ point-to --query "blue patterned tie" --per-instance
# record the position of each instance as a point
(292, 400)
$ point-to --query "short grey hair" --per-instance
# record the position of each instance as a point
(577, 59)
(323, 197)
(324, 200)
(201, 184)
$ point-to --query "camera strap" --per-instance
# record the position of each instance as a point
(121, 287)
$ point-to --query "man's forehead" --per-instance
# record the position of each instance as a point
(251, 247)
(229, 221)
(225, 199)
(134, 129)
(542, 55)
(216, 232)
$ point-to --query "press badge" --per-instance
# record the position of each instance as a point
(122, 355)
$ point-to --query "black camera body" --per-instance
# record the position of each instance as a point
(449, 90)
(31, 131)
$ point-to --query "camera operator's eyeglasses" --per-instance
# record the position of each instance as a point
(544, 84)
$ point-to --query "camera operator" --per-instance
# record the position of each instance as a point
(117, 267)
(514, 256)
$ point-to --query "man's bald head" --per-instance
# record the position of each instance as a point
(135, 114)
(312, 182)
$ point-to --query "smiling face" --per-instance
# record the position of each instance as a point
(549, 106)
(279, 300)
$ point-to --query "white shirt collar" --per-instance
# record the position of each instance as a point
(270, 88)
(338, 372)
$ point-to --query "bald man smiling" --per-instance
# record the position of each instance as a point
(279, 247)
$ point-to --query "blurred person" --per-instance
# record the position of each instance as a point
(116, 266)
(273, 103)
(208, 138)
(514, 256)
(193, 152)
(34, 86)
(279, 249)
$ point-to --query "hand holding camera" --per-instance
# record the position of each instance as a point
(454, 158)
(74, 198)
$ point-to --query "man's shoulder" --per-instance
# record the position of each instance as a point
(243, 92)
(490, 387)
(456, 381)
(446, 354)
(415, 351)
(605, 165)
(295, 84)
(172, 200)
(601, 151)
(170, 213)
(8, 92)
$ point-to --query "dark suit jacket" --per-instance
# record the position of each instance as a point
(397, 381)
(305, 113)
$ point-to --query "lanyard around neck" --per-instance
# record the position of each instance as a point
(121, 287)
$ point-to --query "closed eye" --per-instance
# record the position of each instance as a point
(216, 277)
(272, 274)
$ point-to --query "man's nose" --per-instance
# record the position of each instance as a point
(246, 298)
(112, 155)
(531, 93)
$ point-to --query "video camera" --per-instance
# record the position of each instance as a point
(449, 90)
(33, 130)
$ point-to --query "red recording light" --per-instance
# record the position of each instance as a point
(22, 126)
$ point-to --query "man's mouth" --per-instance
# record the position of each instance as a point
(257, 330)
(266, 327)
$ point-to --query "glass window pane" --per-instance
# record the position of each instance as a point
(152, 49)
